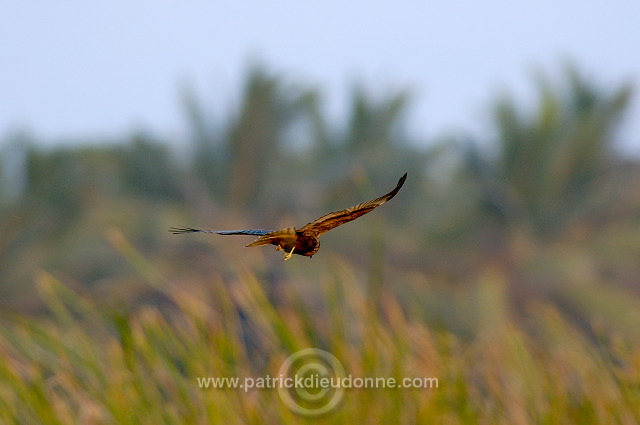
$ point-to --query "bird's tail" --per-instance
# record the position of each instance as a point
(287, 236)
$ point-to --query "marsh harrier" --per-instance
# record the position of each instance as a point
(303, 241)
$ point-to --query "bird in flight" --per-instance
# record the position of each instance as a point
(302, 241)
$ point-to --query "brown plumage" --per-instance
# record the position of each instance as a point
(303, 241)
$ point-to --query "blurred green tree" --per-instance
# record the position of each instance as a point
(551, 168)
(237, 158)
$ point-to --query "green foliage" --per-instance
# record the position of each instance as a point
(552, 166)
(88, 363)
(235, 161)
(147, 169)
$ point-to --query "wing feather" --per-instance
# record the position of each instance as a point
(258, 232)
(285, 236)
(335, 219)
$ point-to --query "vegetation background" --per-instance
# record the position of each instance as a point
(507, 267)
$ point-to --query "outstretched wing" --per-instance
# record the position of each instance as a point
(335, 219)
(285, 237)
(258, 232)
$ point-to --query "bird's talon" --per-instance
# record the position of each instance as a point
(288, 254)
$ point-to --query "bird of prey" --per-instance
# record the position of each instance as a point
(302, 241)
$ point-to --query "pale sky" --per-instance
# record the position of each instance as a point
(71, 69)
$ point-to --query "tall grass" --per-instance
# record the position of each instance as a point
(89, 363)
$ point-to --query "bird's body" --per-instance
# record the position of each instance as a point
(303, 241)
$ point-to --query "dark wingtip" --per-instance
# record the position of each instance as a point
(402, 179)
(180, 230)
(395, 189)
